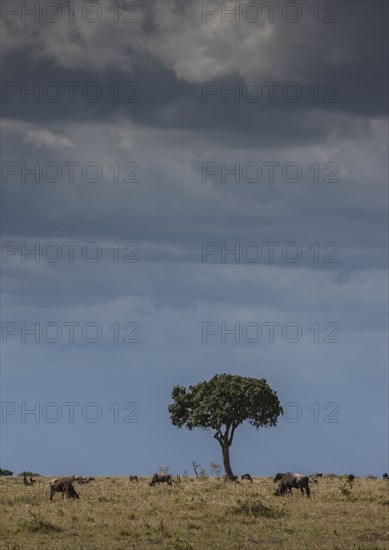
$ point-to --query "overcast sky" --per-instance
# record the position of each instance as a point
(188, 191)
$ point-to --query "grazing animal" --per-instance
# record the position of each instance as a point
(83, 479)
(289, 480)
(350, 478)
(277, 477)
(161, 478)
(28, 481)
(134, 478)
(315, 476)
(246, 476)
(385, 476)
(63, 485)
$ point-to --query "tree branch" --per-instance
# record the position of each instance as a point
(226, 435)
(218, 436)
(231, 435)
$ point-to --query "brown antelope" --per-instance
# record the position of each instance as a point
(63, 485)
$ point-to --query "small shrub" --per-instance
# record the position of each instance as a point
(257, 509)
(215, 469)
(203, 474)
(180, 544)
(344, 490)
(345, 487)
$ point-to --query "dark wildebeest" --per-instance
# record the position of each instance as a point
(28, 481)
(315, 476)
(289, 480)
(161, 478)
(277, 478)
(246, 476)
(134, 478)
(385, 476)
(83, 479)
(350, 478)
(63, 485)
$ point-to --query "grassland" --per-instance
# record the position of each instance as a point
(115, 514)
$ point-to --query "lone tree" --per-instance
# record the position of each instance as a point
(222, 404)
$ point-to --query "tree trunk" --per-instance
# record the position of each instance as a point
(226, 462)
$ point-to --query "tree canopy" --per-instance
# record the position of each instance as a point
(222, 404)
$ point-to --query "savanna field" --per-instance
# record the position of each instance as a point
(115, 513)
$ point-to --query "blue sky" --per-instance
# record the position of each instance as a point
(185, 193)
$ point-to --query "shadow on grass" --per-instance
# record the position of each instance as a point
(39, 525)
(257, 509)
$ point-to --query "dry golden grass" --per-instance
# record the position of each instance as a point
(114, 513)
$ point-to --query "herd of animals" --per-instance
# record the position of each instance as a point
(287, 482)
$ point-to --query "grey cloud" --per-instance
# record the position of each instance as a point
(170, 212)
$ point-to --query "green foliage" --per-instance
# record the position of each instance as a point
(225, 400)
(181, 544)
(345, 487)
(164, 469)
(222, 404)
(6, 472)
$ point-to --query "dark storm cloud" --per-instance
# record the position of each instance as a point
(171, 188)
(170, 87)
